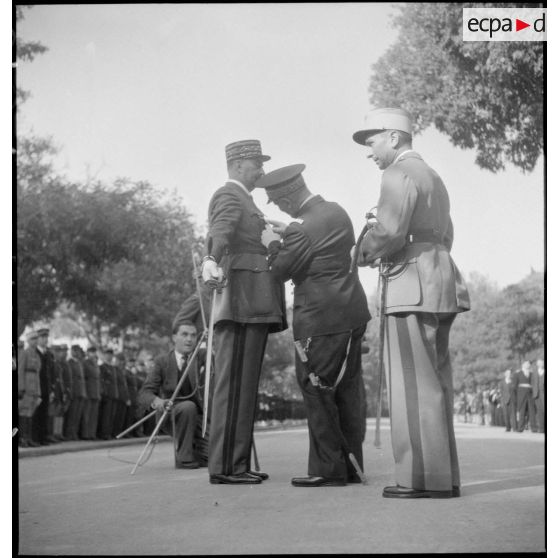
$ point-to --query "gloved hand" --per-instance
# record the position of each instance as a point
(212, 274)
(268, 236)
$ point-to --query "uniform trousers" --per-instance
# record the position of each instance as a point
(539, 411)
(343, 404)
(510, 416)
(239, 350)
(73, 418)
(106, 418)
(420, 393)
(525, 408)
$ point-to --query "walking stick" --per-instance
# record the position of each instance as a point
(135, 425)
(382, 283)
(332, 420)
(169, 403)
(208, 358)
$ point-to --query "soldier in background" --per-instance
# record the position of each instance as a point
(40, 422)
(525, 404)
(538, 385)
(132, 383)
(73, 416)
(92, 377)
(123, 401)
(59, 403)
(29, 389)
(508, 389)
(109, 394)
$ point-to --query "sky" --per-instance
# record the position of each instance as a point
(155, 92)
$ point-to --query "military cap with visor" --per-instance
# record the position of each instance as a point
(381, 119)
(245, 149)
(282, 182)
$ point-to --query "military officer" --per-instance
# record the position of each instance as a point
(29, 388)
(411, 241)
(249, 307)
(92, 377)
(329, 319)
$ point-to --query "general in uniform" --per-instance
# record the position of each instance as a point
(412, 239)
(330, 314)
(249, 307)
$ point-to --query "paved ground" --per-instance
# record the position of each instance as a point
(87, 503)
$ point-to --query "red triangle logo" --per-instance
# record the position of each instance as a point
(519, 25)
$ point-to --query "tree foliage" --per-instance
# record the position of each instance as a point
(25, 51)
(120, 254)
(482, 95)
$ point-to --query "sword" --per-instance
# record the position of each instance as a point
(333, 422)
(208, 358)
(382, 283)
(198, 288)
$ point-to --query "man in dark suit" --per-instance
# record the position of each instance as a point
(109, 394)
(41, 419)
(75, 411)
(161, 383)
(538, 383)
(90, 414)
(525, 403)
(411, 241)
(509, 401)
(248, 307)
(329, 318)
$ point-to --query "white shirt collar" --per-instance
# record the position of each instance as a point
(178, 357)
(401, 155)
(307, 200)
(239, 184)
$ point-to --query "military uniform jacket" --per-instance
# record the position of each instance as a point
(252, 294)
(78, 381)
(509, 394)
(109, 384)
(315, 254)
(28, 366)
(423, 277)
(163, 379)
(92, 375)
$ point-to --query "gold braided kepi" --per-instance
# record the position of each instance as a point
(245, 149)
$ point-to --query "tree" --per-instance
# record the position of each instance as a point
(25, 51)
(483, 95)
(119, 254)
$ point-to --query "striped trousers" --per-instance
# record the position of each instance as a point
(420, 392)
(239, 351)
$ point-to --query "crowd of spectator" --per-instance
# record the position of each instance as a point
(70, 394)
(515, 401)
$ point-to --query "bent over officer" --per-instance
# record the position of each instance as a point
(249, 307)
(329, 319)
(411, 241)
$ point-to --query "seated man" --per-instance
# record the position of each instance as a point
(161, 383)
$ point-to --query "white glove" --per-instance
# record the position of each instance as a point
(211, 272)
(268, 236)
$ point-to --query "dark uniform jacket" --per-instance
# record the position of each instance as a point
(109, 384)
(78, 381)
(414, 232)
(162, 380)
(509, 392)
(252, 294)
(92, 374)
(315, 254)
(122, 384)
